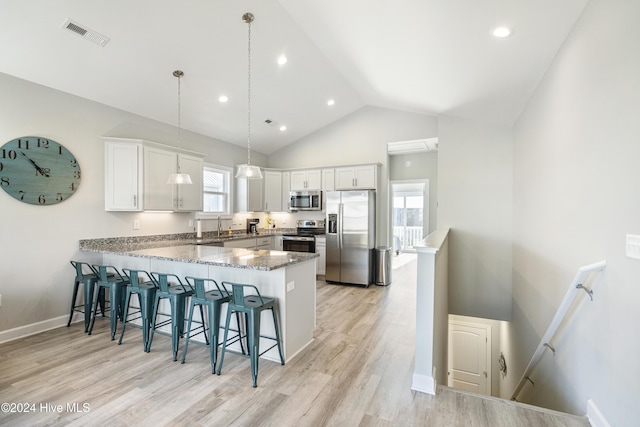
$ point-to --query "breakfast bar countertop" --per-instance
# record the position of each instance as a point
(196, 251)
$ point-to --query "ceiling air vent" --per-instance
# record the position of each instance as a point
(413, 146)
(85, 32)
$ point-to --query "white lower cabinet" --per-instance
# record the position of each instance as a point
(251, 243)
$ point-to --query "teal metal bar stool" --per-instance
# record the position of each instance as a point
(146, 292)
(109, 278)
(252, 305)
(88, 277)
(213, 300)
(177, 294)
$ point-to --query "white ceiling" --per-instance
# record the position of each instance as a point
(424, 56)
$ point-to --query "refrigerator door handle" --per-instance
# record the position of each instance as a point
(340, 218)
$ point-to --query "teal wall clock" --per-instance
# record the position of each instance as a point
(38, 171)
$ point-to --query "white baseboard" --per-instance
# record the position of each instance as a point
(596, 419)
(424, 384)
(34, 328)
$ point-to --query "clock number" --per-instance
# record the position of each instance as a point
(43, 143)
(60, 149)
(9, 154)
(76, 174)
(59, 197)
(22, 193)
(73, 186)
(41, 199)
(74, 163)
(4, 182)
(1, 166)
(23, 144)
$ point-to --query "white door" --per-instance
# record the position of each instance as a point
(469, 357)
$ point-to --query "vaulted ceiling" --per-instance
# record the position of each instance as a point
(424, 56)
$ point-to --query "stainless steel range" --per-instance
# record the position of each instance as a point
(304, 240)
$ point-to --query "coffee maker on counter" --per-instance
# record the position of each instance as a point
(252, 225)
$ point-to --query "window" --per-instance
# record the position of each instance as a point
(217, 189)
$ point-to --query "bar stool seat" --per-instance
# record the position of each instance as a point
(211, 299)
(88, 277)
(146, 292)
(177, 294)
(109, 278)
(252, 305)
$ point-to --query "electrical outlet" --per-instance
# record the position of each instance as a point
(291, 286)
(633, 246)
(136, 224)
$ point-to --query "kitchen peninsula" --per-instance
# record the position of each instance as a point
(289, 277)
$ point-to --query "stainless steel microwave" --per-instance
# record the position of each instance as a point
(305, 201)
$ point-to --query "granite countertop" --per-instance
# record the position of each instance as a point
(185, 248)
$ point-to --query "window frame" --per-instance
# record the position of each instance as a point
(229, 208)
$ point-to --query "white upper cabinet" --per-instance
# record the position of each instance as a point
(158, 164)
(273, 191)
(248, 195)
(328, 180)
(153, 164)
(356, 177)
(190, 196)
(123, 176)
(310, 179)
(286, 189)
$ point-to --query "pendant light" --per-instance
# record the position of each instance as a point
(248, 170)
(179, 178)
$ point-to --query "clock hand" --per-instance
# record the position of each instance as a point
(38, 168)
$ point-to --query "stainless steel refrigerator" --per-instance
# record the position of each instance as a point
(351, 236)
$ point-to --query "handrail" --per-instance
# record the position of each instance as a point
(577, 285)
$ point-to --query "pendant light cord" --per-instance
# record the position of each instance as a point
(249, 96)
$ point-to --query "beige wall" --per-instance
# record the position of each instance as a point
(575, 198)
(475, 202)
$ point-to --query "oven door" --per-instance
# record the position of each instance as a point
(298, 244)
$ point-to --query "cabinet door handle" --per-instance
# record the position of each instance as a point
(135, 201)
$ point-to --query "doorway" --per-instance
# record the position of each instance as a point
(470, 357)
(410, 213)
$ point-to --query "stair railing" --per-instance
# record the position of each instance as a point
(577, 285)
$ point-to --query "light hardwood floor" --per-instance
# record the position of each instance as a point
(357, 372)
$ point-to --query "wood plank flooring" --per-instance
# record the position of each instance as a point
(357, 372)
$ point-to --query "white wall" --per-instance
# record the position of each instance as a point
(475, 202)
(422, 166)
(576, 196)
(360, 137)
(37, 242)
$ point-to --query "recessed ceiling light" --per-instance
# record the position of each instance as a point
(330, 102)
(223, 98)
(283, 128)
(282, 60)
(502, 32)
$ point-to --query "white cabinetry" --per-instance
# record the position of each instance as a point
(190, 196)
(251, 243)
(286, 189)
(328, 180)
(310, 179)
(158, 195)
(123, 176)
(136, 173)
(273, 191)
(321, 249)
(356, 177)
(248, 195)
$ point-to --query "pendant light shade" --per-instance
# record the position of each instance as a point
(248, 170)
(179, 178)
